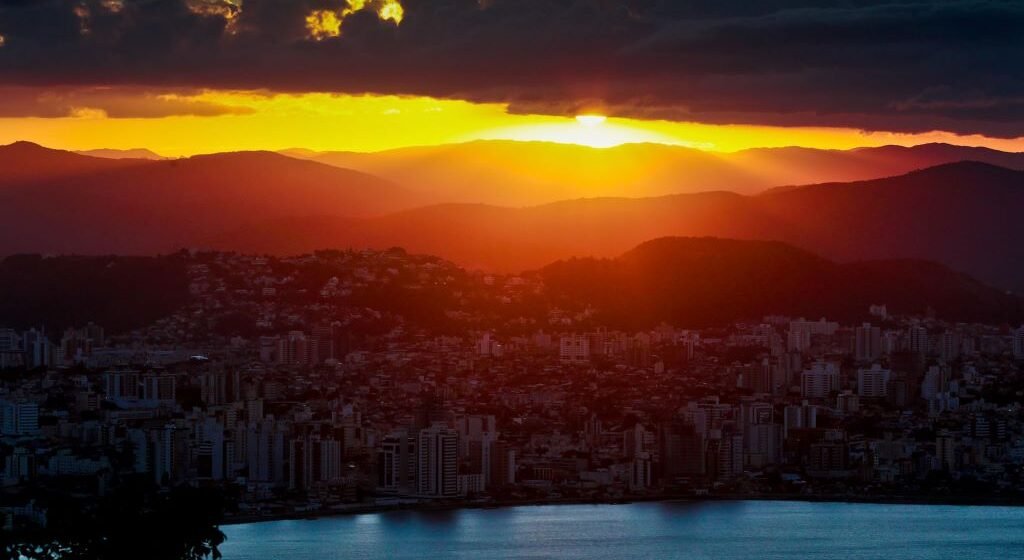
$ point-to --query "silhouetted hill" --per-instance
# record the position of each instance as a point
(685, 281)
(511, 173)
(25, 162)
(119, 293)
(135, 153)
(146, 207)
(706, 281)
(964, 215)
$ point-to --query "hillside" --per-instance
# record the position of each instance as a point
(25, 162)
(689, 282)
(964, 215)
(706, 281)
(135, 153)
(507, 173)
(146, 207)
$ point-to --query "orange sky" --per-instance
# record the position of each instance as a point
(262, 120)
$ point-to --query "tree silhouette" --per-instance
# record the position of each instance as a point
(127, 524)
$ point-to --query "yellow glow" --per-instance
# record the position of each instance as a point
(3, 41)
(590, 120)
(320, 121)
(322, 24)
(391, 10)
(590, 130)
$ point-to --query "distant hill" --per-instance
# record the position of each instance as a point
(688, 282)
(61, 202)
(25, 162)
(508, 173)
(136, 153)
(965, 215)
(706, 281)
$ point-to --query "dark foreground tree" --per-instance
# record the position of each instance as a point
(128, 524)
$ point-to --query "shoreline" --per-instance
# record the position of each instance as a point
(364, 509)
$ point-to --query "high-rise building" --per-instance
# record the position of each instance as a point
(10, 349)
(324, 346)
(159, 389)
(19, 418)
(820, 380)
(503, 464)
(438, 462)
(1018, 344)
(38, 351)
(725, 450)
(799, 416)
(265, 449)
(294, 349)
(801, 332)
(77, 344)
(934, 382)
(574, 348)
(397, 468)
(681, 450)
(917, 340)
(122, 386)
(949, 346)
(868, 343)
(873, 382)
(270, 349)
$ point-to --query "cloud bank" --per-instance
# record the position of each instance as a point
(907, 66)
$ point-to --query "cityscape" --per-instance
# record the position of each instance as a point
(283, 382)
(511, 279)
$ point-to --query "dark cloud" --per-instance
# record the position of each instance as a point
(116, 102)
(952, 65)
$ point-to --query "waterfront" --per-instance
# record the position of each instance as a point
(692, 530)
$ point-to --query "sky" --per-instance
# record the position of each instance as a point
(194, 76)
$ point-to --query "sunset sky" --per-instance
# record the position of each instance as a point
(192, 76)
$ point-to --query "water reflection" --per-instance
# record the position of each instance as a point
(724, 530)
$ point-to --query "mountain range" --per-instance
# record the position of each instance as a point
(62, 202)
(964, 215)
(135, 153)
(507, 173)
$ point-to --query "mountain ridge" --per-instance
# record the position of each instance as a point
(525, 173)
(962, 215)
(708, 281)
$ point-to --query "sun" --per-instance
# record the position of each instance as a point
(591, 120)
(588, 129)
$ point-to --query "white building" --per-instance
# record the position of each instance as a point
(820, 380)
